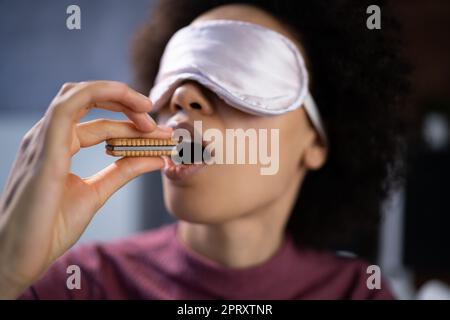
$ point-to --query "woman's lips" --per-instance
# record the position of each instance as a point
(175, 171)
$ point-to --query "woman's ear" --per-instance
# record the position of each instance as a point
(315, 155)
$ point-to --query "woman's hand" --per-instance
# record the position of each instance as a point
(44, 208)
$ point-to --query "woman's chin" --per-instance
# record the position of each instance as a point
(197, 216)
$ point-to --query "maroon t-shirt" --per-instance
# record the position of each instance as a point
(156, 265)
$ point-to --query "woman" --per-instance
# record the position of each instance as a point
(240, 234)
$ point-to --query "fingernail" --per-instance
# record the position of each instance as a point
(151, 119)
(146, 99)
(144, 96)
(165, 128)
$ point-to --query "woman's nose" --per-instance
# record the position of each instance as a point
(190, 97)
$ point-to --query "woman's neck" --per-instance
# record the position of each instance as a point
(246, 241)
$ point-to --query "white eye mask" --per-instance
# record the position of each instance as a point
(252, 68)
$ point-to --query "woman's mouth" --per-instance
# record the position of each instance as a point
(175, 171)
(189, 159)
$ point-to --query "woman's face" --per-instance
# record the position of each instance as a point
(220, 192)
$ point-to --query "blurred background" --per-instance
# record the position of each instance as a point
(38, 54)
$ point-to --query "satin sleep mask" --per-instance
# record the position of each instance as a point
(252, 68)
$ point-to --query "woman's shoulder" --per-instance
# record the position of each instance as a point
(99, 266)
(343, 275)
(91, 255)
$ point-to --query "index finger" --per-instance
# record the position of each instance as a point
(83, 96)
(78, 99)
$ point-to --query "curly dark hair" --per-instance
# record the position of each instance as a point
(359, 80)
